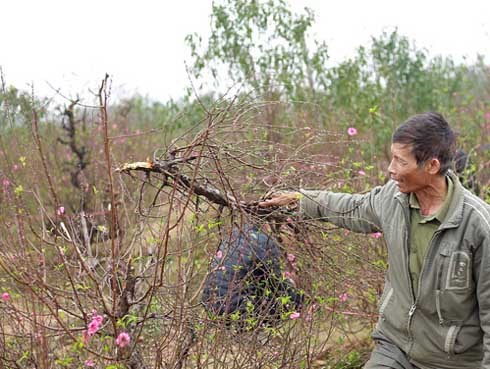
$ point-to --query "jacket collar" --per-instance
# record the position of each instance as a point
(455, 212)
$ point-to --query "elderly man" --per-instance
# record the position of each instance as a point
(435, 308)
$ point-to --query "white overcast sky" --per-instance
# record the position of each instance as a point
(71, 44)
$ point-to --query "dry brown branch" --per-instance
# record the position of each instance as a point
(174, 211)
(170, 170)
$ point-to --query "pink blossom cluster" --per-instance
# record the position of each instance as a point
(294, 262)
(343, 297)
(123, 339)
(93, 327)
(60, 211)
(95, 324)
(5, 297)
(294, 315)
(309, 313)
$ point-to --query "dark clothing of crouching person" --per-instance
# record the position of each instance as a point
(246, 285)
(466, 171)
(435, 308)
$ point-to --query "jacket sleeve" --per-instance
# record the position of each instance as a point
(356, 212)
(482, 268)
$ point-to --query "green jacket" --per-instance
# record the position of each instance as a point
(447, 324)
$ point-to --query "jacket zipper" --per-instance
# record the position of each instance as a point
(427, 254)
(407, 250)
(409, 323)
(438, 293)
(413, 307)
(453, 331)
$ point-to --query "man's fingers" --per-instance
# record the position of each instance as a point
(267, 203)
(281, 199)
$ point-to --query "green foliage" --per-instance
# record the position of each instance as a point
(127, 320)
(16, 107)
(263, 45)
(389, 81)
(64, 362)
(353, 360)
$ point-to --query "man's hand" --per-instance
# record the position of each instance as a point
(281, 199)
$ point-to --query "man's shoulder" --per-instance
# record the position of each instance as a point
(477, 208)
(386, 199)
(389, 191)
(476, 202)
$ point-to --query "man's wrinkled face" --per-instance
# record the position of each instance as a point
(403, 169)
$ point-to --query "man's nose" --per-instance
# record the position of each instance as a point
(390, 167)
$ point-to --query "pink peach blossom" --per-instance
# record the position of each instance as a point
(294, 315)
(98, 319)
(287, 275)
(343, 297)
(123, 339)
(95, 324)
(351, 131)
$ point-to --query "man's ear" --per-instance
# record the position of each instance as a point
(432, 166)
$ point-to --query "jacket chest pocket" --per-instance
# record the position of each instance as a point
(455, 290)
(458, 276)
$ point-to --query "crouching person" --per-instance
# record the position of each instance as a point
(246, 284)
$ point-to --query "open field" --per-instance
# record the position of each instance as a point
(104, 267)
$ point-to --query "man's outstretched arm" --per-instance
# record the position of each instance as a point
(357, 212)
